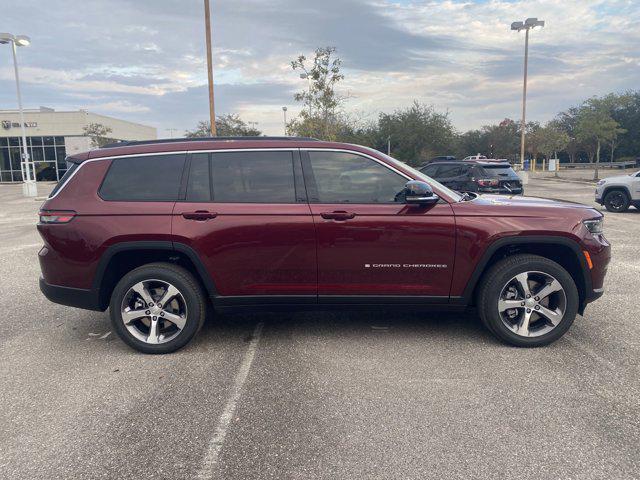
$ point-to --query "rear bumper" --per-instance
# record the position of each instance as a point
(72, 297)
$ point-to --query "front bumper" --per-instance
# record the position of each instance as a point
(72, 297)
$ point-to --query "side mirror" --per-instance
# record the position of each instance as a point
(419, 193)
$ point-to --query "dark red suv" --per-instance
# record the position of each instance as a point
(160, 231)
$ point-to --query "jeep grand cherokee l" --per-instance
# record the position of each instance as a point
(160, 231)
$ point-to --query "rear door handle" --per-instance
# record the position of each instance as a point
(199, 215)
(338, 215)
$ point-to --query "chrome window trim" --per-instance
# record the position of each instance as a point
(113, 157)
(227, 150)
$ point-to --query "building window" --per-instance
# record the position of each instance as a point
(47, 153)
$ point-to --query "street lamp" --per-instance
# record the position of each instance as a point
(527, 25)
(284, 112)
(29, 188)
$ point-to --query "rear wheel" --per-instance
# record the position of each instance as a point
(157, 308)
(617, 201)
(528, 301)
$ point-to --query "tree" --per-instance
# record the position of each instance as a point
(229, 125)
(596, 125)
(98, 133)
(321, 116)
(503, 138)
(567, 121)
(613, 104)
(416, 133)
(552, 139)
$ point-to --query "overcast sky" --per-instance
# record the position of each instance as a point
(143, 60)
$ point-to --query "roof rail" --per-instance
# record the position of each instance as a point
(128, 143)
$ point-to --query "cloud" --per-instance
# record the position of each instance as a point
(144, 60)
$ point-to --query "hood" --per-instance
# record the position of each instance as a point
(520, 201)
(617, 178)
(518, 206)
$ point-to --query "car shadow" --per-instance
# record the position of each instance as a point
(447, 327)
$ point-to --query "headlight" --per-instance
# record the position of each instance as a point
(595, 225)
(600, 182)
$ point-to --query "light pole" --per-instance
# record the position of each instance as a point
(527, 25)
(284, 112)
(29, 188)
(212, 110)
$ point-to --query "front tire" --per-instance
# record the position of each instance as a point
(617, 201)
(157, 308)
(528, 300)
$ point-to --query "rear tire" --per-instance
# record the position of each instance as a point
(139, 316)
(617, 201)
(522, 321)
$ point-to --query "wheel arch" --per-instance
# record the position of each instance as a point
(564, 251)
(610, 188)
(123, 257)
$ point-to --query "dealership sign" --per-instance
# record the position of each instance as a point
(7, 124)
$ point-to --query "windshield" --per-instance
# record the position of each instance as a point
(419, 175)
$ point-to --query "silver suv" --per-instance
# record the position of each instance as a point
(618, 193)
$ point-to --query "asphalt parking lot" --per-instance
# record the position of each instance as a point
(318, 395)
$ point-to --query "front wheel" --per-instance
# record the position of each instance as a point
(157, 308)
(528, 300)
(617, 201)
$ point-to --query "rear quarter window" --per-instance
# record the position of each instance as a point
(145, 178)
(72, 168)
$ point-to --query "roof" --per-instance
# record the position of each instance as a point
(202, 139)
(207, 143)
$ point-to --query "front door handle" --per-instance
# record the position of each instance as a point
(338, 215)
(200, 215)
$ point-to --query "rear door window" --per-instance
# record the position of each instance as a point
(253, 177)
(198, 186)
(430, 170)
(144, 178)
(448, 171)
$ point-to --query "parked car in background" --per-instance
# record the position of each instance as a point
(618, 193)
(482, 176)
(474, 157)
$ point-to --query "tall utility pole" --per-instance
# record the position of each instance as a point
(212, 110)
(527, 25)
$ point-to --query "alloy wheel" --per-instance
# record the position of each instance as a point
(616, 200)
(154, 311)
(532, 304)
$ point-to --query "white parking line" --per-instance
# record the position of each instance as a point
(216, 443)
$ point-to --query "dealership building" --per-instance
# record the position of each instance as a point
(52, 135)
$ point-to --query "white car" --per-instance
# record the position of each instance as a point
(474, 157)
(619, 192)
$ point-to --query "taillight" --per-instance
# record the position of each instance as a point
(488, 183)
(56, 216)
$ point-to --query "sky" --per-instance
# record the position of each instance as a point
(144, 60)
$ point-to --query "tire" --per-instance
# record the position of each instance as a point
(138, 294)
(617, 201)
(502, 287)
